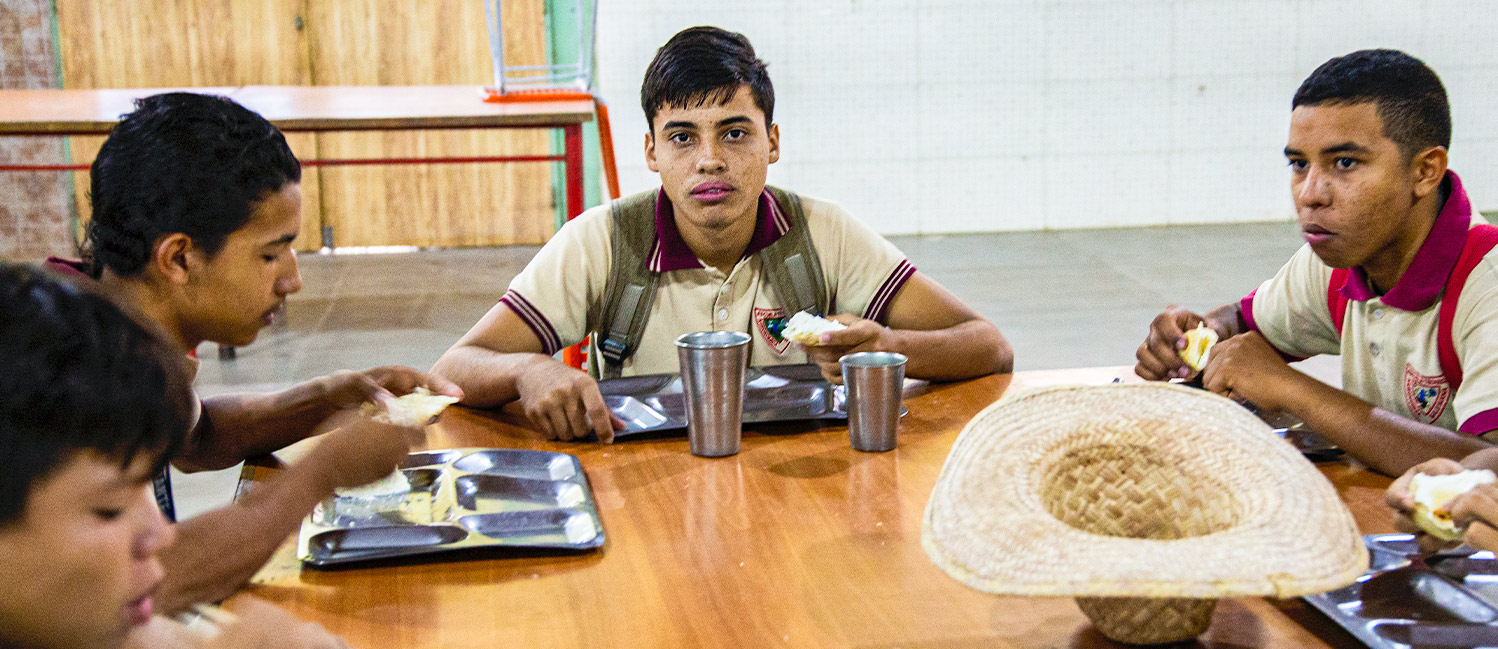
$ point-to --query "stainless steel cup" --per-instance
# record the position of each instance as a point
(712, 378)
(875, 384)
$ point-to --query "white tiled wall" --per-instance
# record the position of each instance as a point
(931, 116)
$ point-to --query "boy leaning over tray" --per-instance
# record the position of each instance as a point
(91, 407)
(714, 249)
(1396, 276)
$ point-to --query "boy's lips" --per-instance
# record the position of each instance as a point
(139, 610)
(1315, 234)
(711, 192)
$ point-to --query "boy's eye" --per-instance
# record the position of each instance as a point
(1297, 164)
(1345, 163)
(268, 258)
(736, 134)
(108, 513)
(681, 138)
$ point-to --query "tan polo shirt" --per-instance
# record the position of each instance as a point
(1388, 342)
(560, 293)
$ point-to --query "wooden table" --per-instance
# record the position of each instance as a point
(317, 109)
(797, 541)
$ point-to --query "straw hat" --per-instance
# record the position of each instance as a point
(1145, 501)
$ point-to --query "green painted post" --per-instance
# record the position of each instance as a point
(561, 47)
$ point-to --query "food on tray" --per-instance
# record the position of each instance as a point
(413, 409)
(807, 328)
(1434, 492)
(1199, 343)
(388, 487)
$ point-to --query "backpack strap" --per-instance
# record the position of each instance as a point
(1480, 240)
(631, 287)
(791, 263)
(1335, 301)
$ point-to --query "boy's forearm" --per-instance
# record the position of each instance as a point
(218, 552)
(487, 377)
(1387, 442)
(1227, 320)
(970, 349)
(239, 426)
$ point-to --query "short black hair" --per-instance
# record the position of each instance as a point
(1408, 95)
(701, 65)
(180, 162)
(77, 374)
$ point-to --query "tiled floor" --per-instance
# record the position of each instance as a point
(1064, 299)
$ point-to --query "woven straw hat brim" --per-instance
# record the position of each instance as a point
(1275, 526)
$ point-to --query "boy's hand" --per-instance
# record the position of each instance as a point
(346, 389)
(1402, 501)
(1477, 512)
(565, 404)
(1160, 355)
(1246, 367)
(357, 450)
(860, 336)
(262, 625)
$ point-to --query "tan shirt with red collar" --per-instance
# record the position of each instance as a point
(560, 293)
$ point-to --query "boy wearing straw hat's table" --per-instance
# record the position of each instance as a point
(712, 250)
(1396, 277)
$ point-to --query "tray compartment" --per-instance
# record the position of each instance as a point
(549, 527)
(378, 542)
(536, 465)
(416, 507)
(496, 493)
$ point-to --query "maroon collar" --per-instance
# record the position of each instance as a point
(1421, 284)
(671, 252)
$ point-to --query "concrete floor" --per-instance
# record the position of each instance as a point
(1064, 299)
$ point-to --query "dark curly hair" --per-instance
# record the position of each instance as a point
(1408, 95)
(77, 374)
(180, 162)
(701, 65)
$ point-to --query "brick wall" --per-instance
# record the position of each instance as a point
(36, 208)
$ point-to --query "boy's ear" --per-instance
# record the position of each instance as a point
(650, 152)
(774, 143)
(171, 257)
(1428, 168)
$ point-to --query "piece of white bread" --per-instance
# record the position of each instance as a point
(414, 409)
(1199, 343)
(1434, 492)
(807, 329)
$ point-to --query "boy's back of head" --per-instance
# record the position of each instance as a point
(180, 162)
(1409, 96)
(702, 65)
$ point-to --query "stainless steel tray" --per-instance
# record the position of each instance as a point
(1310, 443)
(460, 499)
(1454, 603)
(654, 402)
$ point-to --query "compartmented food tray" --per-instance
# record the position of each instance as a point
(1452, 603)
(654, 402)
(460, 499)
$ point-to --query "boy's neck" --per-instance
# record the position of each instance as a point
(1386, 267)
(142, 299)
(721, 248)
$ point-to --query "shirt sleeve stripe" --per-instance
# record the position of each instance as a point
(551, 343)
(1481, 422)
(886, 293)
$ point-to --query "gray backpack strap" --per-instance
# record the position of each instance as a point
(630, 291)
(791, 263)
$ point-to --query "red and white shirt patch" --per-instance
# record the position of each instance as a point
(769, 323)
(1426, 396)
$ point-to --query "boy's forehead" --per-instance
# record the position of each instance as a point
(1358, 123)
(712, 108)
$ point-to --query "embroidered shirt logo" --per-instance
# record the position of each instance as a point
(769, 323)
(1426, 396)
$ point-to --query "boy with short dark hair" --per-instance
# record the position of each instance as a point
(196, 203)
(91, 406)
(1396, 276)
(714, 249)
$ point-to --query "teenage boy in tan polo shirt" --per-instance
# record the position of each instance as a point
(1390, 239)
(712, 236)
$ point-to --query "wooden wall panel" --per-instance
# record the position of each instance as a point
(176, 43)
(413, 42)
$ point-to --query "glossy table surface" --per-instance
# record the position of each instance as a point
(797, 541)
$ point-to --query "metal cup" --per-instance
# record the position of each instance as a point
(712, 378)
(875, 383)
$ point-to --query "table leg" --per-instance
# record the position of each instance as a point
(573, 136)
